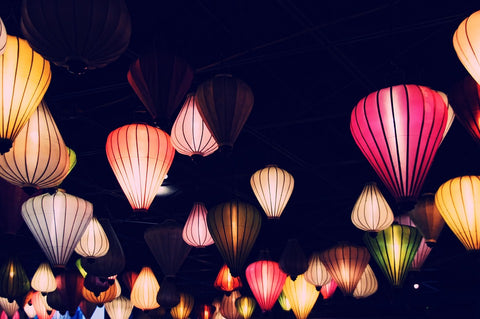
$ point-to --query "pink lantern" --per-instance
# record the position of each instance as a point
(328, 290)
(195, 232)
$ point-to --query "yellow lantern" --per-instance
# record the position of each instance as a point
(316, 273)
(427, 218)
(119, 308)
(73, 159)
(245, 306)
(145, 290)
(94, 242)
(367, 285)
(302, 296)
(466, 42)
(184, 307)
(43, 280)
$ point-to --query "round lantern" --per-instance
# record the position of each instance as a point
(224, 103)
(227, 307)
(301, 295)
(293, 261)
(316, 273)
(234, 227)
(273, 187)
(57, 222)
(346, 264)
(104, 297)
(458, 202)
(145, 290)
(184, 307)
(466, 43)
(41, 307)
(77, 35)
(283, 301)
(140, 156)
(190, 135)
(195, 232)
(394, 250)
(94, 241)
(399, 129)
(367, 285)
(25, 77)
(427, 218)
(14, 282)
(119, 308)
(245, 306)
(371, 211)
(266, 281)
(328, 290)
(10, 308)
(43, 279)
(3, 37)
(225, 281)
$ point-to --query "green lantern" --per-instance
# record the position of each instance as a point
(14, 282)
(73, 159)
(394, 250)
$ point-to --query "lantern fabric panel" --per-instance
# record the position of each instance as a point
(94, 241)
(10, 308)
(301, 295)
(399, 129)
(450, 116)
(427, 218)
(129, 278)
(328, 290)
(104, 297)
(245, 306)
(272, 187)
(168, 295)
(184, 308)
(140, 156)
(145, 290)
(283, 301)
(3, 37)
(195, 232)
(316, 273)
(225, 281)
(119, 308)
(466, 42)
(367, 284)
(43, 279)
(68, 295)
(14, 282)
(227, 307)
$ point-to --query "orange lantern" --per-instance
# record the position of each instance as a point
(427, 218)
(195, 232)
(301, 295)
(466, 42)
(145, 290)
(3, 37)
(103, 297)
(225, 281)
(140, 156)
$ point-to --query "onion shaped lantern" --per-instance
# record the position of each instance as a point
(57, 222)
(11, 199)
(458, 202)
(24, 73)
(427, 218)
(225, 281)
(399, 129)
(184, 307)
(316, 273)
(41, 307)
(346, 264)
(224, 102)
(245, 306)
(234, 227)
(293, 261)
(371, 211)
(301, 295)
(104, 297)
(423, 249)
(195, 232)
(266, 281)
(367, 285)
(140, 156)
(119, 308)
(283, 301)
(466, 42)
(94, 241)
(394, 250)
(43, 279)
(145, 290)
(227, 307)
(14, 282)
(10, 308)
(328, 290)
(79, 36)
(272, 187)
(3, 37)
(190, 136)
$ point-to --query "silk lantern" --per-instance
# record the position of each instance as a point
(328, 290)
(14, 282)
(195, 232)
(217, 315)
(96, 284)
(10, 308)
(399, 129)
(451, 114)
(371, 211)
(24, 79)
(427, 218)
(272, 187)
(205, 312)
(367, 284)
(234, 227)
(43, 279)
(245, 306)
(466, 42)
(190, 136)
(57, 222)
(3, 37)
(293, 261)
(129, 278)
(119, 308)
(224, 102)
(41, 307)
(346, 264)
(104, 297)
(94, 241)
(28, 305)
(145, 290)
(302, 296)
(227, 307)
(140, 156)
(283, 301)
(184, 308)
(316, 273)
(225, 281)
(457, 201)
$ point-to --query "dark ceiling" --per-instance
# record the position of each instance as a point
(308, 63)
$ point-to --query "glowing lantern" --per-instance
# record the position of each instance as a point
(205, 312)
(367, 285)
(427, 218)
(283, 301)
(97, 285)
(394, 250)
(195, 232)
(316, 273)
(184, 308)
(245, 306)
(104, 297)
(451, 114)
(272, 187)
(145, 290)
(3, 37)
(217, 315)
(57, 222)
(129, 278)
(119, 308)
(73, 159)
(224, 103)
(457, 201)
(11, 200)
(94, 241)
(29, 310)
(293, 261)
(328, 290)
(227, 307)
(371, 211)
(13, 280)
(140, 156)
(466, 42)
(10, 308)
(190, 135)
(301, 295)
(225, 281)
(43, 279)
(234, 227)
(399, 129)
(41, 307)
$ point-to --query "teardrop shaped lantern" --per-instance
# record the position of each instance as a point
(184, 308)
(43, 279)
(284, 303)
(10, 308)
(94, 241)
(346, 264)
(394, 249)
(427, 218)
(24, 79)
(224, 102)
(3, 37)
(466, 42)
(245, 306)
(316, 273)
(104, 297)
(399, 129)
(301, 295)
(451, 114)
(57, 222)
(227, 307)
(119, 308)
(77, 35)
(14, 282)
(69, 290)
(195, 232)
(293, 261)
(225, 281)
(328, 290)
(457, 201)
(367, 285)
(272, 187)
(145, 290)
(371, 211)
(39, 157)
(11, 199)
(140, 156)
(160, 81)
(190, 135)
(41, 307)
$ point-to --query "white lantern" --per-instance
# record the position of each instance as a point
(94, 242)
(195, 232)
(43, 280)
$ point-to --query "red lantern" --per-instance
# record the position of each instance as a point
(205, 312)
(328, 290)
(129, 278)
(399, 130)
(225, 281)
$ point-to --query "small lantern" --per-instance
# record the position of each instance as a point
(227, 307)
(283, 301)
(14, 282)
(43, 279)
(245, 306)
(367, 285)
(145, 290)
(119, 308)
(205, 312)
(184, 307)
(94, 241)
(427, 218)
(195, 232)
(225, 281)
(316, 273)
(466, 42)
(328, 290)
(301, 295)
